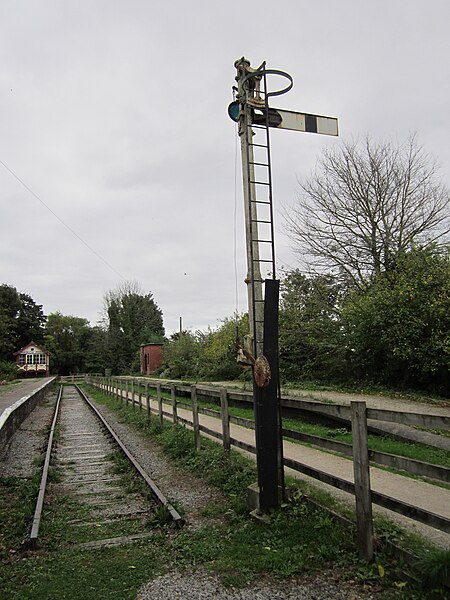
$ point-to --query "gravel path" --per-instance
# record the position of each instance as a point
(201, 585)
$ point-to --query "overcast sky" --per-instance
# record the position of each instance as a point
(114, 114)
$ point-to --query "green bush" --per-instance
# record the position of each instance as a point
(8, 371)
(399, 328)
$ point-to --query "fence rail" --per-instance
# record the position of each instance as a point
(78, 378)
(135, 390)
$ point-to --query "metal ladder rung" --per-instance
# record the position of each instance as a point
(261, 202)
(263, 241)
(262, 260)
(258, 163)
(260, 221)
(259, 145)
(260, 182)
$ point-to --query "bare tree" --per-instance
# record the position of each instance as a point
(366, 203)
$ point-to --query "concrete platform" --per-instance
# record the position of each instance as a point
(14, 391)
(17, 402)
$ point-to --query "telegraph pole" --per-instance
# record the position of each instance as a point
(251, 110)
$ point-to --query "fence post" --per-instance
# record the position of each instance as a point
(160, 408)
(126, 392)
(225, 419)
(195, 421)
(174, 403)
(132, 392)
(362, 480)
(147, 398)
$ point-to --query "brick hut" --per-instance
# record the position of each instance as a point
(151, 358)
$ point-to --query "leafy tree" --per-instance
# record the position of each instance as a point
(181, 355)
(9, 308)
(399, 329)
(21, 321)
(133, 318)
(95, 353)
(218, 349)
(67, 339)
(367, 203)
(206, 355)
(311, 341)
(30, 321)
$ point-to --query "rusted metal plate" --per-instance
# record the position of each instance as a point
(262, 372)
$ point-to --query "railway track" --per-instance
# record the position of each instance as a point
(88, 494)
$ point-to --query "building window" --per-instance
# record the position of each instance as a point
(29, 359)
(22, 359)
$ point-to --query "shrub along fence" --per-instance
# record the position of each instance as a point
(140, 392)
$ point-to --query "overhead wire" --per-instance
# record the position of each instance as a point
(72, 231)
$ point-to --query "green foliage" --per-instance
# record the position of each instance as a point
(210, 355)
(399, 329)
(21, 321)
(434, 566)
(9, 308)
(181, 355)
(218, 349)
(95, 358)
(8, 371)
(30, 321)
(68, 340)
(17, 502)
(133, 318)
(311, 341)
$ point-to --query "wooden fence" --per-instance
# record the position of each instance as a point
(78, 378)
(140, 392)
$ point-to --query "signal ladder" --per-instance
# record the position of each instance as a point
(260, 200)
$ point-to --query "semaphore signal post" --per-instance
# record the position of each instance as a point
(255, 117)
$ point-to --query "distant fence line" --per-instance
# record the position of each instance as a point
(78, 378)
(141, 392)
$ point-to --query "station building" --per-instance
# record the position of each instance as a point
(32, 361)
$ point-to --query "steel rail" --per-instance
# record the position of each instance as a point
(156, 492)
(40, 499)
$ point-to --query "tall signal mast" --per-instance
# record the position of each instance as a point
(251, 110)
